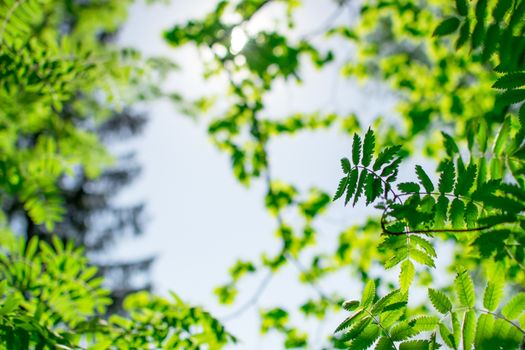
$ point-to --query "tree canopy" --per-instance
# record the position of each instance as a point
(456, 71)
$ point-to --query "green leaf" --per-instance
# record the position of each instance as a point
(385, 301)
(471, 215)
(406, 276)
(448, 26)
(464, 34)
(391, 168)
(424, 323)
(469, 329)
(447, 336)
(440, 301)
(422, 257)
(456, 328)
(351, 305)
(501, 8)
(510, 97)
(450, 145)
(514, 307)
(424, 179)
(510, 81)
(420, 344)
(457, 213)
(31, 248)
(408, 187)
(350, 320)
(490, 43)
(357, 329)
(9, 304)
(384, 343)
(368, 147)
(360, 185)
(502, 137)
(385, 156)
(465, 289)
(424, 244)
(393, 313)
(466, 180)
(484, 330)
(371, 191)
(366, 338)
(351, 185)
(462, 7)
(401, 331)
(446, 179)
(356, 149)
(369, 294)
(345, 165)
(341, 188)
(493, 293)
(481, 10)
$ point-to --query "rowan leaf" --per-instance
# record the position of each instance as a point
(440, 301)
(385, 301)
(345, 165)
(469, 329)
(406, 276)
(510, 81)
(351, 305)
(386, 156)
(447, 26)
(484, 330)
(419, 344)
(493, 293)
(360, 185)
(408, 187)
(351, 184)
(422, 257)
(457, 213)
(341, 188)
(462, 7)
(510, 97)
(368, 147)
(466, 180)
(384, 343)
(366, 338)
(356, 149)
(447, 336)
(369, 294)
(446, 179)
(350, 320)
(471, 215)
(464, 288)
(502, 138)
(424, 179)
(514, 307)
(451, 147)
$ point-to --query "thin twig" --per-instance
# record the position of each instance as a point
(252, 301)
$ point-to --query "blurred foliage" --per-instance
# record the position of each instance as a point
(60, 81)
(52, 299)
(444, 62)
(85, 203)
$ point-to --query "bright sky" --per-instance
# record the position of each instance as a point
(201, 219)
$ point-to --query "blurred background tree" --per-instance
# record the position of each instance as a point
(90, 214)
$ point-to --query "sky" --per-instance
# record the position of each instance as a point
(201, 220)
